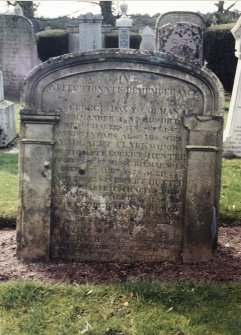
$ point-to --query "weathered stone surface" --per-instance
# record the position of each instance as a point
(181, 16)
(124, 24)
(181, 34)
(73, 35)
(119, 159)
(147, 39)
(18, 52)
(232, 134)
(7, 118)
(183, 40)
(1, 87)
(90, 32)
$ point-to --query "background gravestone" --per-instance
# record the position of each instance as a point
(7, 118)
(120, 159)
(232, 134)
(147, 39)
(90, 32)
(123, 25)
(181, 34)
(18, 52)
(73, 35)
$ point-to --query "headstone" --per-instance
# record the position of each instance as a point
(18, 10)
(18, 52)
(90, 32)
(232, 133)
(105, 29)
(120, 159)
(181, 34)
(124, 24)
(1, 87)
(147, 39)
(74, 40)
(7, 119)
(73, 36)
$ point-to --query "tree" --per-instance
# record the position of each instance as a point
(223, 15)
(107, 12)
(28, 7)
(221, 8)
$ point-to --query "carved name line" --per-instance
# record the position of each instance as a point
(164, 110)
(121, 119)
(110, 90)
(130, 154)
(127, 127)
(74, 165)
(117, 144)
(129, 189)
(75, 133)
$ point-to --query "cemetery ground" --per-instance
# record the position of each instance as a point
(114, 299)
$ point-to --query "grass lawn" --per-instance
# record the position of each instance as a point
(8, 187)
(230, 199)
(139, 308)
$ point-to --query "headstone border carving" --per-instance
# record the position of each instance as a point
(34, 115)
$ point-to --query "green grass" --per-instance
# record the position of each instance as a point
(230, 199)
(8, 187)
(140, 308)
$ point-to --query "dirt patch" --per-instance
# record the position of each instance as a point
(225, 265)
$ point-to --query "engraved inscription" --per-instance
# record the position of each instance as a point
(119, 163)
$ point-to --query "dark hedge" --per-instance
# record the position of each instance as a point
(219, 49)
(111, 40)
(52, 43)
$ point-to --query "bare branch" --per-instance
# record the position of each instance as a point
(233, 4)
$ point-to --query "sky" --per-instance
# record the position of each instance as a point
(75, 8)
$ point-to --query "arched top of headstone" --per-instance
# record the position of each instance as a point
(14, 21)
(182, 16)
(18, 10)
(147, 31)
(90, 17)
(42, 76)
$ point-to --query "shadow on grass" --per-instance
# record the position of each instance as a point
(208, 307)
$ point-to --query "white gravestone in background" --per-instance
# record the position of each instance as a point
(124, 24)
(147, 39)
(232, 133)
(90, 32)
(7, 118)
